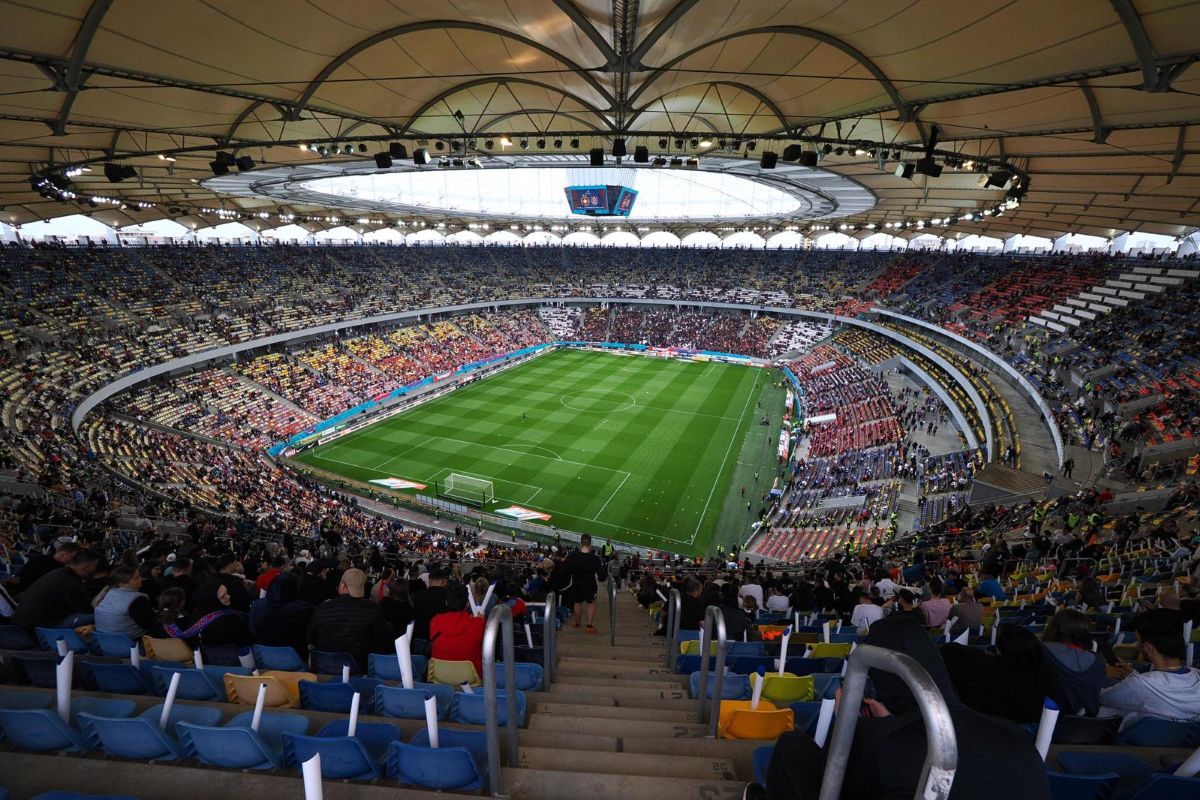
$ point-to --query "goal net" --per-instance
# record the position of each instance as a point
(465, 487)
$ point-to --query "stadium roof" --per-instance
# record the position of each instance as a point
(1093, 107)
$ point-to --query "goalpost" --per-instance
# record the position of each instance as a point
(465, 487)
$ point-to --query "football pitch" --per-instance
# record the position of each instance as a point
(648, 451)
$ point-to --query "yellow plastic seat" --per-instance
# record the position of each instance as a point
(785, 688)
(691, 647)
(167, 650)
(453, 673)
(830, 650)
(290, 681)
(243, 689)
(739, 721)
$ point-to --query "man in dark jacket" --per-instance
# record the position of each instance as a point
(43, 564)
(59, 599)
(429, 603)
(350, 623)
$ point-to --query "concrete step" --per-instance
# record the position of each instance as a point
(612, 663)
(595, 726)
(666, 700)
(591, 711)
(537, 784)
(595, 669)
(645, 656)
(622, 695)
(649, 764)
(604, 685)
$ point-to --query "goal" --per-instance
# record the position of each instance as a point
(472, 490)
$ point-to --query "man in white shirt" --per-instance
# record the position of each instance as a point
(865, 613)
(887, 587)
(778, 602)
(753, 590)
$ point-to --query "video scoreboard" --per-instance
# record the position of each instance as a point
(595, 201)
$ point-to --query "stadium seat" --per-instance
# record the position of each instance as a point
(1169, 787)
(452, 673)
(167, 650)
(806, 713)
(40, 730)
(118, 678)
(739, 721)
(39, 670)
(784, 689)
(1082, 787)
(375, 736)
(468, 708)
(825, 685)
(1133, 771)
(529, 677)
(444, 768)
(25, 700)
(474, 742)
(342, 758)
(272, 726)
(762, 760)
(199, 714)
(1072, 729)
(733, 687)
(194, 684)
(691, 647)
(1150, 732)
(324, 663)
(278, 658)
(113, 645)
(244, 689)
(48, 638)
(830, 650)
(14, 637)
(387, 667)
(329, 696)
(808, 666)
(290, 681)
(396, 701)
(135, 738)
(228, 747)
(220, 656)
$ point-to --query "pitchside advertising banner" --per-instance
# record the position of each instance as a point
(398, 483)
(523, 514)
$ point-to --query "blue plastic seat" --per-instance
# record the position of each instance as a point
(762, 759)
(1150, 732)
(396, 701)
(1082, 787)
(825, 685)
(331, 663)
(225, 655)
(25, 700)
(366, 687)
(806, 713)
(686, 665)
(182, 712)
(474, 742)
(228, 747)
(733, 687)
(135, 738)
(443, 768)
(14, 637)
(1169, 787)
(113, 645)
(328, 696)
(342, 758)
(387, 667)
(48, 637)
(468, 708)
(529, 677)
(375, 736)
(744, 665)
(40, 730)
(809, 666)
(194, 684)
(1134, 772)
(118, 678)
(284, 659)
(39, 671)
(272, 726)
(751, 649)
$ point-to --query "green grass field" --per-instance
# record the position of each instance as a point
(642, 450)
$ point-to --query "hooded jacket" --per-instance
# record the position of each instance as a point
(1081, 676)
(1165, 694)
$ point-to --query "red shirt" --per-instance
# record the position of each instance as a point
(265, 579)
(458, 636)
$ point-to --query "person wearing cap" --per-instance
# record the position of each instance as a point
(350, 623)
(1170, 690)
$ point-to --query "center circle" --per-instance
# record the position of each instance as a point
(598, 401)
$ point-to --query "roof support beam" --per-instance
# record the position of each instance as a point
(589, 30)
(750, 90)
(1099, 132)
(504, 81)
(673, 16)
(72, 76)
(1153, 78)
(1177, 161)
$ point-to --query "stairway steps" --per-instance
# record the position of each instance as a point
(584, 711)
(622, 695)
(616, 727)
(537, 784)
(612, 663)
(647, 764)
(603, 685)
(594, 670)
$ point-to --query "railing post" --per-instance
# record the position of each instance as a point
(941, 759)
(612, 612)
(714, 619)
(499, 620)
(549, 639)
(674, 609)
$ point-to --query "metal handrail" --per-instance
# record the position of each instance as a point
(612, 612)
(714, 619)
(550, 640)
(500, 620)
(941, 758)
(674, 610)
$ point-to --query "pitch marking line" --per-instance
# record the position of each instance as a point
(750, 396)
(403, 452)
(614, 494)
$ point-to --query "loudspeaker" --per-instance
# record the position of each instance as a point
(905, 169)
(383, 161)
(421, 156)
(618, 148)
(792, 152)
(808, 159)
(597, 155)
(768, 160)
(113, 172)
(226, 158)
(641, 155)
(927, 166)
(397, 150)
(245, 164)
(218, 168)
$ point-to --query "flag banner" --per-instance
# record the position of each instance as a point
(397, 483)
(523, 514)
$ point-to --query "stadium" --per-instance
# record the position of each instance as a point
(562, 398)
